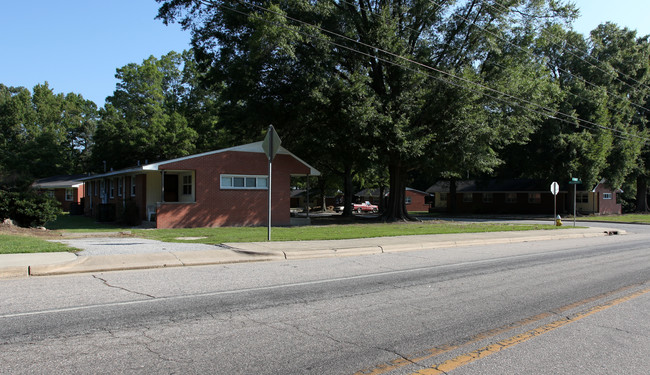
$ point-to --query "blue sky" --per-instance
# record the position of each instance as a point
(76, 45)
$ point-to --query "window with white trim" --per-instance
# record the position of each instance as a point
(133, 186)
(607, 195)
(187, 184)
(119, 187)
(111, 188)
(235, 181)
(69, 195)
(407, 200)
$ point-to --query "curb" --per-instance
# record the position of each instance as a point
(258, 253)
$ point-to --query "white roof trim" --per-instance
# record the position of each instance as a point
(255, 147)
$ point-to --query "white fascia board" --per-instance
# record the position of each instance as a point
(255, 147)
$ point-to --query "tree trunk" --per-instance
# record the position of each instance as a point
(396, 205)
(321, 185)
(347, 191)
(642, 194)
(382, 198)
(451, 198)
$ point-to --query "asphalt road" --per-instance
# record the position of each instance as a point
(389, 313)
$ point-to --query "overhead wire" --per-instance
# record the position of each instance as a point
(547, 112)
(587, 62)
(560, 69)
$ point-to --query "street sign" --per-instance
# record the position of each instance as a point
(555, 188)
(575, 181)
(271, 143)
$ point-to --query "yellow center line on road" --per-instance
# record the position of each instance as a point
(438, 350)
(464, 359)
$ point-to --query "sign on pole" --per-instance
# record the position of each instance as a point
(575, 181)
(270, 145)
(555, 188)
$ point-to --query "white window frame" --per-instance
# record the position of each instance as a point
(111, 188)
(607, 196)
(246, 181)
(185, 184)
(120, 183)
(407, 200)
(133, 186)
(69, 195)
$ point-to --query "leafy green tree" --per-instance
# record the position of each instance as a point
(143, 119)
(270, 55)
(43, 133)
(600, 127)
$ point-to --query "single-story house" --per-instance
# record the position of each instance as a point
(601, 200)
(67, 189)
(416, 200)
(523, 196)
(227, 187)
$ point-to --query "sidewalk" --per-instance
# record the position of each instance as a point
(135, 254)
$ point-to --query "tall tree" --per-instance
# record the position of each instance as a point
(143, 119)
(43, 133)
(600, 128)
(267, 51)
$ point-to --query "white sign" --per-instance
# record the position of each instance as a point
(555, 188)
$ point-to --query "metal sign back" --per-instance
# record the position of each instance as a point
(271, 143)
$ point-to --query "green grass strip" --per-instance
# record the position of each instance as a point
(628, 218)
(11, 244)
(328, 232)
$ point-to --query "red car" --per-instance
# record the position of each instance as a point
(364, 207)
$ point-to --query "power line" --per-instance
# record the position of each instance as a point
(587, 62)
(546, 111)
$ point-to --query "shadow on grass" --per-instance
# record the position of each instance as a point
(67, 222)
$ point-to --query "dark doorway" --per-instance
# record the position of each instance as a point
(171, 188)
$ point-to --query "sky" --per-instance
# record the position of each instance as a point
(76, 45)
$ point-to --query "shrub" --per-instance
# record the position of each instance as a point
(28, 208)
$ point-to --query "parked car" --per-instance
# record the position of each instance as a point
(360, 207)
(364, 207)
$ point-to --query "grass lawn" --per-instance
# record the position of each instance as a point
(327, 232)
(14, 244)
(627, 218)
(26, 243)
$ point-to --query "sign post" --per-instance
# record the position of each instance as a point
(575, 181)
(555, 188)
(270, 145)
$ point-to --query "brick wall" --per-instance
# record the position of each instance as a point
(417, 201)
(231, 207)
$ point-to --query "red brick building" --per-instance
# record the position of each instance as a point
(524, 196)
(226, 187)
(67, 189)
